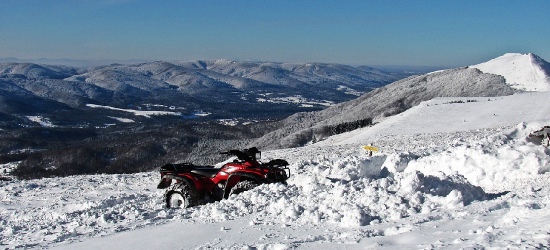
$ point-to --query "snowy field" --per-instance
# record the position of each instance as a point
(449, 175)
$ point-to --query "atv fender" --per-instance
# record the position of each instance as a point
(164, 183)
(238, 177)
(167, 180)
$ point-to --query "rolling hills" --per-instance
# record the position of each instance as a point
(224, 89)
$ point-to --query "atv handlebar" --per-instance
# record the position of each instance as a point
(231, 152)
(245, 155)
(238, 153)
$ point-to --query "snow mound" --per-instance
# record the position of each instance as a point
(345, 192)
(340, 189)
(496, 163)
(522, 71)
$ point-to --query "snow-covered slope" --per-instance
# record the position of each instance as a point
(522, 71)
(450, 174)
(386, 101)
(454, 114)
(504, 75)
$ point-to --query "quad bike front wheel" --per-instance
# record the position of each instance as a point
(179, 196)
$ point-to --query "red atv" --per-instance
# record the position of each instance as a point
(189, 185)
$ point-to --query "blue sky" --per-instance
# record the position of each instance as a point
(422, 33)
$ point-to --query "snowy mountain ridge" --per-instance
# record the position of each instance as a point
(526, 72)
(227, 89)
(394, 98)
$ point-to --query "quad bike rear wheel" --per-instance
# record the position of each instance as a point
(179, 196)
(242, 186)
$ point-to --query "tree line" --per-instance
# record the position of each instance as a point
(131, 150)
(135, 148)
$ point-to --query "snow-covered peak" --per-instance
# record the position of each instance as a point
(222, 61)
(521, 71)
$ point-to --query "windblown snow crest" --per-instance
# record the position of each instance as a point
(526, 72)
(496, 164)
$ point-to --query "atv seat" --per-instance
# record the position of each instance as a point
(206, 172)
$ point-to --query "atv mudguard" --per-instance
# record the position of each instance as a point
(164, 183)
(167, 181)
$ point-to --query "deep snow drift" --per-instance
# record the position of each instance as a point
(451, 173)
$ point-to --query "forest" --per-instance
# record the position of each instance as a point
(47, 152)
(134, 148)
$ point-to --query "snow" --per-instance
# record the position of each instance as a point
(298, 99)
(147, 114)
(201, 113)
(43, 121)
(454, 114)
(123, 120)
(237, 121)
(452, 173)
(349, 90)
(521, 71)
(5, 169)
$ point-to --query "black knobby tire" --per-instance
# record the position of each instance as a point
(242, 186)
(179, 195)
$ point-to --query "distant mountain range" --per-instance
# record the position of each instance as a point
(68, 62)
(505, 75)
(217, 89)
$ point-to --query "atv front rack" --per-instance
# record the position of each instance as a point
(278, 176)
(278, 171)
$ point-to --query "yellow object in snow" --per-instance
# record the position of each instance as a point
(370, 148)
